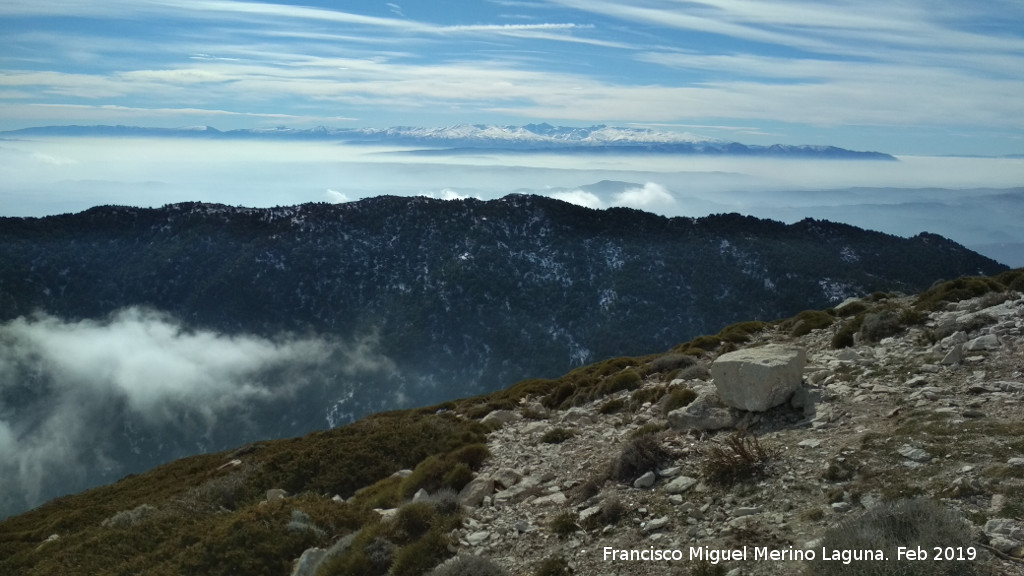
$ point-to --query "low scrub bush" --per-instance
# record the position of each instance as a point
(564, 524)
(612, 511)
(909, 523)
(553, 566)
(957, 290)
(557, 435)
(644, 395)
(639, 456)
(670, 362)
(467, 565)
(695, 372)
(740, 457)
(453, 470)
(625, 380)
(806, 321)
(741, 332)
(129, 518)
(677, 398)
(612, 406)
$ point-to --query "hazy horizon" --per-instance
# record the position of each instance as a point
(964, 199)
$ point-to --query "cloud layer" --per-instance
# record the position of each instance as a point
(79, 399)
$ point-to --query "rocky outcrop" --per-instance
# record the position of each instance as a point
(847, 437)
(756, 379)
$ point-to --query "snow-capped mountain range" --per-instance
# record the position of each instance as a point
(463, 137)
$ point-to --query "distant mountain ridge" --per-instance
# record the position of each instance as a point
(457, 138)
(454, 298)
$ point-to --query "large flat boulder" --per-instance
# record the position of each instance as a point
(756, 379)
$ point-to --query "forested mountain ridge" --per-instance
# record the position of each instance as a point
(501, 289)
(133, 336)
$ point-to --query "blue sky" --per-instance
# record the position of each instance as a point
(908, 77)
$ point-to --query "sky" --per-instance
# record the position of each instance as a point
(924, 77)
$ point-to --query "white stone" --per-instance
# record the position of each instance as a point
(474, 493)
(656, 524)
(756, 379)
(915, 454)
(986, 342)
(556, 498)
(500, 417)
(645, 481)
(707, 412)
(680, 485)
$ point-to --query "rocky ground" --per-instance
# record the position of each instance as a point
(934, 411)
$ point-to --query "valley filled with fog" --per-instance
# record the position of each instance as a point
(973, 201)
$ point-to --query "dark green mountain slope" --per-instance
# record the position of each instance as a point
(429, 300)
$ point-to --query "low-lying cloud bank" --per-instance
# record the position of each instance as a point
(84, 402)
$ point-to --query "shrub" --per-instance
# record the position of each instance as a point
(639, 456)
(612, 406)
(625, 380)
(422, 555)
(457, 478)
(564, 524)
(844, 336)
(648, 429)
(473, 455)
(466, 565)
(553, 566)
(129, 518)
(955, 291)
(559, 395)
(612, 511)
(412, 521)
(880, 324)
(738, 458)
(806, 321)
(639, 397)
(741, 332)
(380, 552)
(909, 523)
(669, 362)
(695, 372)
(852, 309)
(227, 491)
(452, 470)
(705, 343)
(445, 501)
(557, 436)
(428, 475)
(678, 398)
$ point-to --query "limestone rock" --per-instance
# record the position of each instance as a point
(707, 412)
(656, 524)
(645, 481)
(474, 493)
(500, 417)
(954, 356)
(987, 342)
(756, 379)
(680, 485)
(309, 562)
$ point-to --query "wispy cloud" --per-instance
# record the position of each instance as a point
(833, 64)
